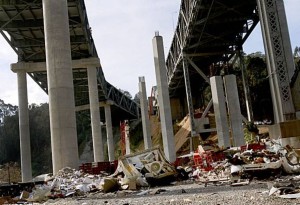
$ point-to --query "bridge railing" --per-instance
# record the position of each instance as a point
(121, 100)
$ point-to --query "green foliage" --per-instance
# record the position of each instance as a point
(249, 136)
(9, 140)
(297, 52)
(297, 57)
(136, 135)
(83, 129)
(137, 97)
(256, 70)
(250, 133)
(126, 93)
(40, 138)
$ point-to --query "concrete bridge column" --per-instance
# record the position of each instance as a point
(234, 110)
(24, 127)
(218, 96)
(163, 98)
(95, 114)
(145, 114)
(60, 85)
(109, 132)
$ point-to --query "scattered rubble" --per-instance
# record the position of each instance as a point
(10, 173)
(138, 170)
(135, 173)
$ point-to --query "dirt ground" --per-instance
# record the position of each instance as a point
(256, 193)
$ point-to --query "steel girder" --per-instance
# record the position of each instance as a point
(208, 32)
(279, 57)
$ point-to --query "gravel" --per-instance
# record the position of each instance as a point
(256, 193)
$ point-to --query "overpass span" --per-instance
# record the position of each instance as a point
(210, 33)
(22, 26)
(47, 53)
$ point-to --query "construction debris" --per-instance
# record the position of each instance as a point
(133, 171)
(239, 165)
(236, 166)
(145, 168)
(288, 187)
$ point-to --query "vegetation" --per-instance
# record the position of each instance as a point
(126, 93)
(258, 81)
(39, 139)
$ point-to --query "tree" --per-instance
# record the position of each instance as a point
(259, 87)
(137, 97)
(39, 138)
(297, 52)
(9, 140)
(126, 93)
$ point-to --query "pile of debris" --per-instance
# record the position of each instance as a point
(138, 170)
(10, 173)
(235, 167)
(288, 187)
(239, 165)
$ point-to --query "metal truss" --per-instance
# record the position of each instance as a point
(208, 31)
(122, 100)
(277, 47)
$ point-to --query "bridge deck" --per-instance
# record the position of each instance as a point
(208, 32)
(21, 24)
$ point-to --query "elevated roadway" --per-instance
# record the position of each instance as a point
(21, 23)
(208, 33)
(209, 38)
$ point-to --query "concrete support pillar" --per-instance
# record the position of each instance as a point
(60, 85)
(24, 127)
(163, 98)
(127, 138)
(145, 114)
(234, 110)
(217, 91)
(95, 115)
(109, 131)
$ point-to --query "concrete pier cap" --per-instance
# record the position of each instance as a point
(30, 67)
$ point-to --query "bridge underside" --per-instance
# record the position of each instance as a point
(21, 24)
(208, 33)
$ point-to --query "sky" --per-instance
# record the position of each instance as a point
(123, 32)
